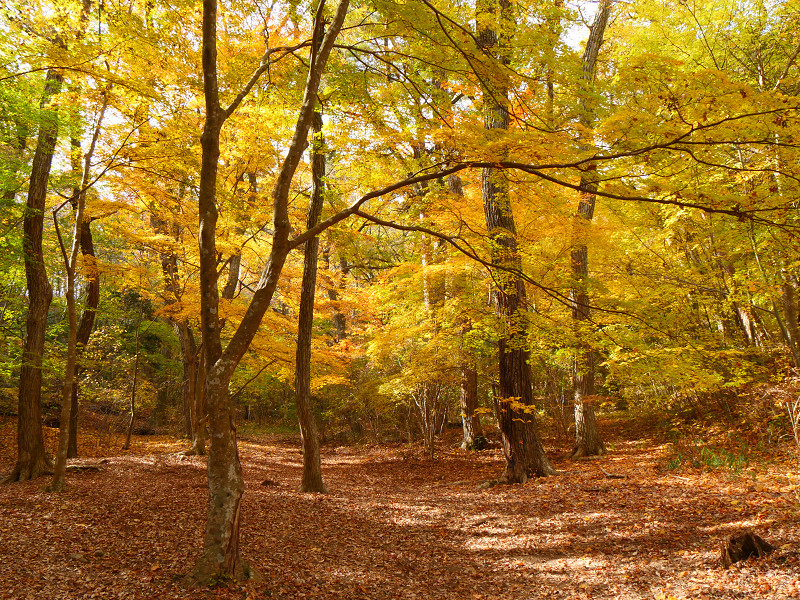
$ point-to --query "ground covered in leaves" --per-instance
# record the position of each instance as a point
(397, 525)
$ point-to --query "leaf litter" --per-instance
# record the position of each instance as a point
(396, 525)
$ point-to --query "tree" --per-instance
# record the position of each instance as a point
(32, 461)
(312, 466)
(587, 436)
(221, 546)
(522, 446)
(70, 266)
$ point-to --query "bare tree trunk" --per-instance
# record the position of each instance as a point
(522, 446)
(91, 273)
(339, 318)
(70, 265)
(312, 463)
(188, 381)
(468, 403)
(220, 556)
(127, 444)
(32, 460)
(85, 326)
(193, 389)
(587, 436)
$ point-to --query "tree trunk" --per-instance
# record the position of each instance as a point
(468, 402)
(225, 488)
(127, 444)
(32, 461)
(220, 556)
(91, 273)
(312, 463)
(85, 326)
(332, 290)
(587, 436)
(78, 201)
(522, 447)
(192, 389)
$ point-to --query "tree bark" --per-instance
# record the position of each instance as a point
(91, 273)
(522, 446)
(587, 437)
(132, 400)
(220, 556)
(468, 392)
(191, 387)
(312, 462)
(85, 326)
(468, 403)
(338, 317)
(78, 201)
(32, 460)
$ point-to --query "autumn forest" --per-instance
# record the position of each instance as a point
(400, 299)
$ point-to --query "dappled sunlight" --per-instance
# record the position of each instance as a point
(396, 525)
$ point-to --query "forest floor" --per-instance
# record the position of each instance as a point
(397, 525)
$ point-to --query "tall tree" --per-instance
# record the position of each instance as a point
(221, 546)
(587, 437)
(70, 266)
(522, 446)
(32, 460)
(80, 166)
(312, 465)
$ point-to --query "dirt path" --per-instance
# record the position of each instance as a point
(398, 526)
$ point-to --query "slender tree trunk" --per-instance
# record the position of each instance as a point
(468, 403)
(132, 402)
(192, 389)
(587, 436)
(187, 382)
(522, 446)
(312, 463)
(220, 556)
(85, 326)
(468, 392)
(32, 460)
(339, 318)
(59, 471)
(70, 266)
(90, 271)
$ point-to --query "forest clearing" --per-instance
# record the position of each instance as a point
(396, 524)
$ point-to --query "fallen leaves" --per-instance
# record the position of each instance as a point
(394, 528)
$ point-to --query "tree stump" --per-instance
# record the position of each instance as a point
(742, 545)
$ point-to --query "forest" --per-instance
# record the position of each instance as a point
(400, 298)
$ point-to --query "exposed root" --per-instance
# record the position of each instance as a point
(27, 471)
(207, 573)
(581, 451)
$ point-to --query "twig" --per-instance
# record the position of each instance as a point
(612, 475)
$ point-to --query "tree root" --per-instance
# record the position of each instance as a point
(206, 574)
(26, 471)
(581, 451)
